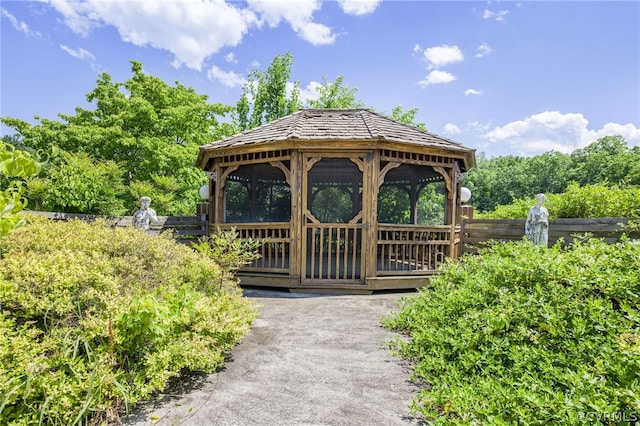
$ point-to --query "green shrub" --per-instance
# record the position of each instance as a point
(600, 200)
(13, 164)
(76, 183)
(94, 319)
(527, 335)
(229, 251)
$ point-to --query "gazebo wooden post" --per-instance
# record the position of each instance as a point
(453, 173)
(369, 213)
(219, 195)
(222, 175)
(211, 208)
(295, 224)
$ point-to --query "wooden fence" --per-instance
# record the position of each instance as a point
(476, 232)
(188, 229)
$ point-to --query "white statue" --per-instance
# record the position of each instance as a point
(536, 227)
(145, 215)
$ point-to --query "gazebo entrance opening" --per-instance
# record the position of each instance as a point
(333, 219)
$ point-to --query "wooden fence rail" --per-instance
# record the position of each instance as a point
(188, 229)
(477, 232)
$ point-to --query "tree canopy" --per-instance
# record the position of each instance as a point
(269, 95)
(335, 95)
(264, 95)
(141, 138)
(501, 180)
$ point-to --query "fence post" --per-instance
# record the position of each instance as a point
(202, 208)
(468, 212)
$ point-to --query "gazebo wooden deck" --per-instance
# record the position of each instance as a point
(345, 199)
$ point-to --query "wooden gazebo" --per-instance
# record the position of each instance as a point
(345, 199)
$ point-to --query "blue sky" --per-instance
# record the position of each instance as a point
(505, 77)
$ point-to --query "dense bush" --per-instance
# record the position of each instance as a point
(527, 335)
(75, 183)
(599, 200)
(14, 166)
(94, 319)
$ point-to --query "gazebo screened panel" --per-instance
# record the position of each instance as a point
(412, 194)
(257, 193)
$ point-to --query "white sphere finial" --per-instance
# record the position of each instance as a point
(465, 194)
(204, 192)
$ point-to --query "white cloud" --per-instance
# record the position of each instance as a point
(498, 16)
(191, 30)
(358, 7)
(438, 56)
(308, 93)
(473, 92)
(227, 78)
(76, 16)
(483, 50)
(80, 53)
(479, 127)
(18, 25)
(436, 77)
(452, 129)
(230, 57)
(628, 131)
(299, 16)
(316, 34)
(552, 130)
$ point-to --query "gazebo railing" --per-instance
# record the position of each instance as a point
(411, 249)
(401, 249)
(334, 251)
(274, 252)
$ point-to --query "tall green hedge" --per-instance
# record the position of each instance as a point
(94, 319)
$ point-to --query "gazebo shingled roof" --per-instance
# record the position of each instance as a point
(338, 124)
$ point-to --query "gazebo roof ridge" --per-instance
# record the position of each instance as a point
(371, 126)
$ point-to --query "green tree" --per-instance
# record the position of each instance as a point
(548, 172)
(335, 95)
(496, 181)
(500, 180)
(607, 159)
(150, 129)
(14, 164)
(264, 95)
(634, 171)
(407, 117)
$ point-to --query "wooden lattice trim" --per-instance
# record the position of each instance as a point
(416, 158)
(256, 157)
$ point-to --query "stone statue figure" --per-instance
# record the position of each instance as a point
(145, 215)
(536, 227)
